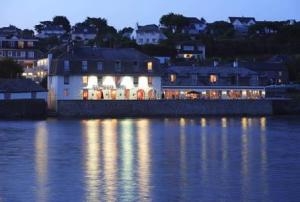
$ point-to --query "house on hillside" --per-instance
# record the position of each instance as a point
(242, 24)
(83, 33)
(191, 50)
(51, 31)
(148, 34)
(195, 26)
(20, 46)
(88, 73)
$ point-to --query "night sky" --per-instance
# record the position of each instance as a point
(120, 13)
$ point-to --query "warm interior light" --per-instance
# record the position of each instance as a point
(109, 81)
(127, 82)
(143, 82)
(92, 81)
(150, 66)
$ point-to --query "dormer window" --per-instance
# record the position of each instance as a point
(84, 66)
(213, 78)
(100, 66)
(149, 66)
(118, 66)
(173, 78)
(66, 65)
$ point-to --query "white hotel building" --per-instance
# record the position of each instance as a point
(88, 73)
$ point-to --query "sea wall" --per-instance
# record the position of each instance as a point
(155, 108)
(23, 109)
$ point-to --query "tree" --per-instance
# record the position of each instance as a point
(221, 29)
(42, 25)
(174, 22)
(62, 21)
(9, 69)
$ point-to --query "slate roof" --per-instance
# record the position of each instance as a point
(148, 28)
(242, 19)
(221, 70)
(264, 66)
(108, 56)
(19, 86)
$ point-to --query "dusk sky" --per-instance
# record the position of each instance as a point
(120, 13)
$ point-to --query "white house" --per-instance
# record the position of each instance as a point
(195, 26)
(87, 73)
(16, 89)
(242, 24)
(51, 31)
(148, 34)
(83, 33)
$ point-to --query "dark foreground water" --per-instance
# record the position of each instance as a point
(200, 159)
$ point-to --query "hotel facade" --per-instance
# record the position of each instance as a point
(88, 73)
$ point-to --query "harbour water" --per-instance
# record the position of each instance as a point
(194, 159)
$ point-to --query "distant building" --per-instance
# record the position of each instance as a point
(83, 33)
(51, 31)
(195, 26)
(191, 50)
(20, 46)
(148, 34)
(15, 89)
(242, 24)
(87, 73)
(271, 73)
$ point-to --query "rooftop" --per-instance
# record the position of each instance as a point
(19, 86)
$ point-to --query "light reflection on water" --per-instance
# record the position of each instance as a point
(225, 159)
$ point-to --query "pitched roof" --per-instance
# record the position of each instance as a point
(108, 56)
(264, 66)
(19, 86)
(242, 19)
(148, 28)
(223, 70)
(194, 20)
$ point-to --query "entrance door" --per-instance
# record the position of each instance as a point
(113, 94)
(85, 94)
(141, 95)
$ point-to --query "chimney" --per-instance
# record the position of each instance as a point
(235, 63)
(216, 63)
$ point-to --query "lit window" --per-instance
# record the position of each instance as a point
(20, 44)
(66, 92)
(84, 66)
(66, 80)
(30, 44)
(66, 65)
(85, 80)
(187, 56)
(100, 66)
(85, 94)
(149, 66)
(173, 78)
(213, 78)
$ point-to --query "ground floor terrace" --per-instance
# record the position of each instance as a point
(213, 92)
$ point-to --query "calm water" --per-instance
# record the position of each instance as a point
(204, 159)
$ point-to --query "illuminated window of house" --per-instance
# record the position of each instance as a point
(84, 66)
(66, 80)
(66, 92)
(149, 66)
(118, 66)
(85, 80)
(30, 44)
(173, 78)
(20, 44)
(213, 78)
(85, 94)
(150, 80)
(66, 65)
(187, 56)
